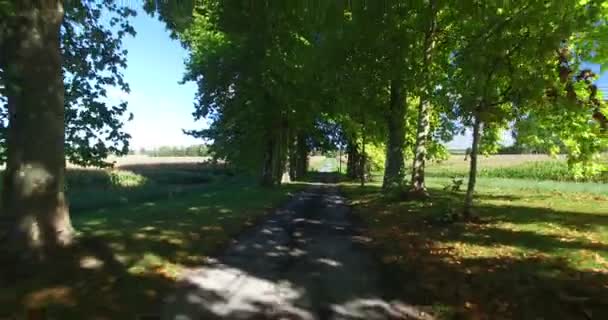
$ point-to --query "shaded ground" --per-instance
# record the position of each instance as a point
(535, 255)
(306, 261)
(129, 252)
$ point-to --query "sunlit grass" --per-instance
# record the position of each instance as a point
(131, 254)
(534, 247)
(519, 185)
(193, 223)
(531, 167)
(103, 178)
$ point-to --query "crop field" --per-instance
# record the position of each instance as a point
(532, 166)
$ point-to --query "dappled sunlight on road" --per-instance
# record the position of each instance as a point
(304, 262)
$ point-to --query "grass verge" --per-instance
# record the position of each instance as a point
(129, 257)
(536, 255)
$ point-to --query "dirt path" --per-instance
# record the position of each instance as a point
(306, 261)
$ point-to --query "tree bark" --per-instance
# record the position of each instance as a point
(267, 178)
(301, 156)
(353, 169)
(293, 159)
(363, 156)
(282, 163)
(424, 109)
(286, 177)
(394, 168)
(468, 202)
(275, 168)
(420, 151)
(339, 161)
(34, 181)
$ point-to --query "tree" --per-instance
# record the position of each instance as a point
(269, 73)
(503, 65)
(250, 62)
(79, 56)
(92, 62)
(33, 189)
(573, 117)
(424, 114)
(394, 171)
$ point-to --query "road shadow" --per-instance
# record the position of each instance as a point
(127, 259)
(85, 281)
(306, 261)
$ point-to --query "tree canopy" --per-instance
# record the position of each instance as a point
(93, 62)
(268, 70)
(387, 81)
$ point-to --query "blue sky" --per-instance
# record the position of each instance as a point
(162, 107)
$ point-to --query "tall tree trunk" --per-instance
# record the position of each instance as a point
(420, 151)
(354, 160)
(424, 108)
(286, 176)
(267, 179)
(339, 160)
(468, 202)
(363, 156)
(301, 156)
(394, 168)
(282, 165)
(34, 180)
(293, 159)
(275, 169)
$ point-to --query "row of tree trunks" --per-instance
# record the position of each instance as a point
(276, 164)
(394, 168)
(33, 196)
(298, 157)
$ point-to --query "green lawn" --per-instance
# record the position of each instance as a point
(131, 252)
(541, 250)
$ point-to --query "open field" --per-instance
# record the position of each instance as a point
(139, 178)
(457, 161)
(322, 163)
(525, 166)
(138, 226)
(143, 160)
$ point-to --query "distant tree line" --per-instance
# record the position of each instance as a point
(199, 150)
